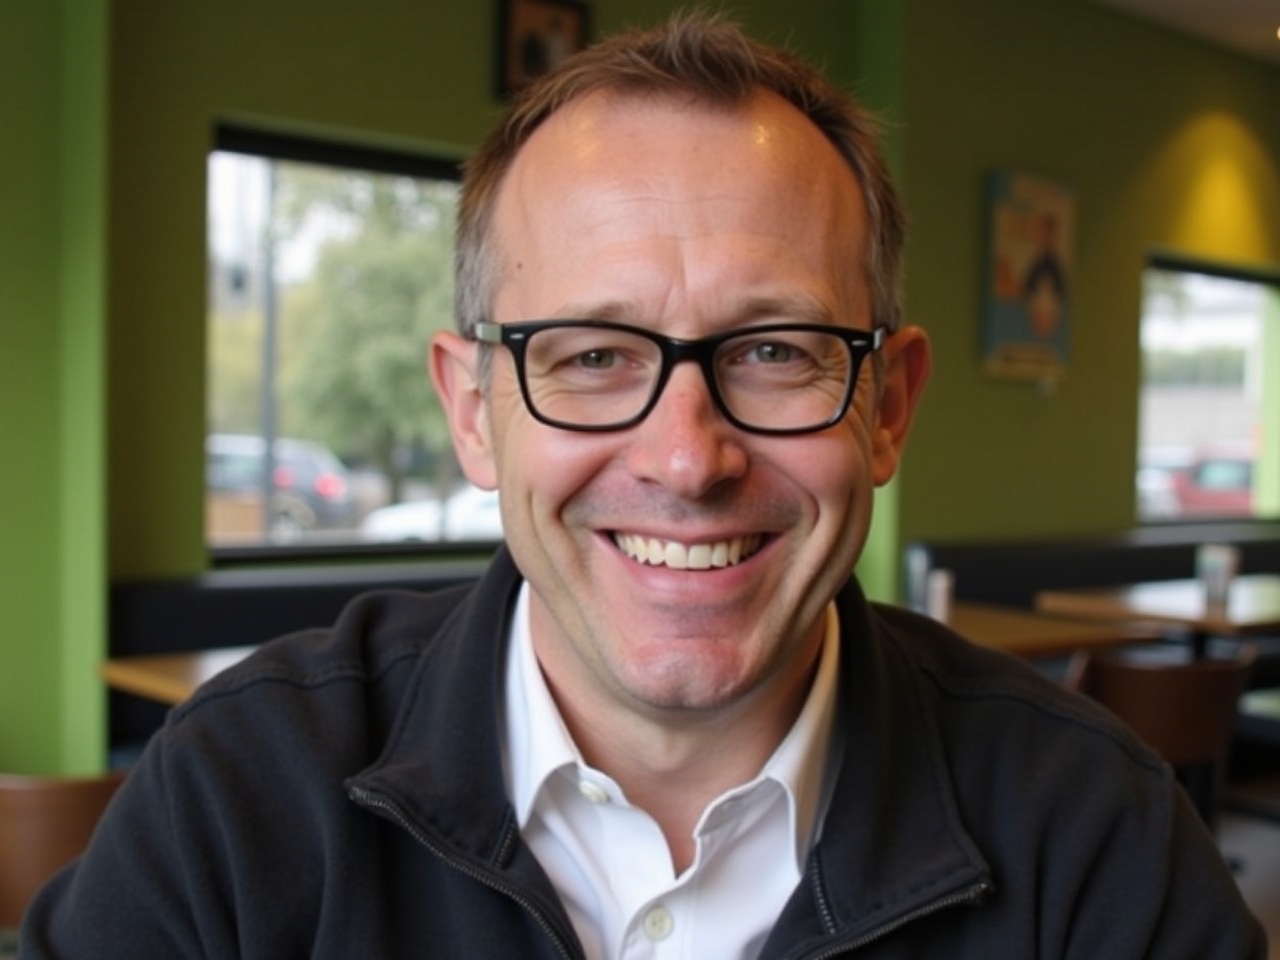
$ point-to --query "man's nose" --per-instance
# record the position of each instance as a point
(685, 443)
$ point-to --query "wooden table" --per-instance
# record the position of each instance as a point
(169, 677)
(1253, 606)
(1030, 634)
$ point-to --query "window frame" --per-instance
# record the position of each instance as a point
(276, 145)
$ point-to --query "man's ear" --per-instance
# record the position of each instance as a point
(907, 363)
(454, 369)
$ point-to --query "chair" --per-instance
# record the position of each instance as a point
(1184, 709)
(45, 822)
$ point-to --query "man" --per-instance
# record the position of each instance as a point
(666, 722)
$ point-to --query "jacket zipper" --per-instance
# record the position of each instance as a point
(375, 801)
(970, 895)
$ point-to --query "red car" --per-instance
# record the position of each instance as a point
(1217, 483)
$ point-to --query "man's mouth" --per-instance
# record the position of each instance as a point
(688, 556)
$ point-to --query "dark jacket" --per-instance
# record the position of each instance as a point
(340, 795)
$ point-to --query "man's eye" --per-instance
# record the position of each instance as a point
(601, 359)
(767, 353)
(772, 352)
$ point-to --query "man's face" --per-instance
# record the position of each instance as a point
(688, 221)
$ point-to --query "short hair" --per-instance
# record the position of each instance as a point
(711, 60)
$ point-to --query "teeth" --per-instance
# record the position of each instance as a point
(680, 556)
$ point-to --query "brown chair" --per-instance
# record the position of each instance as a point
(45, 822)
(1184, 708)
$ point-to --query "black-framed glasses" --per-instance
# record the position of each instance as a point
(595, 375)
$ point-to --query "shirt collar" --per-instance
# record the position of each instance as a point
(803, 762)
(538, 744)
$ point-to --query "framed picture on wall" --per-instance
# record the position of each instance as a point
(1028, 289)
(534, 35)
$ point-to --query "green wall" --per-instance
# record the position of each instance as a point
(1167, 144)
(52, 568)
(28, 379)
(109, 107)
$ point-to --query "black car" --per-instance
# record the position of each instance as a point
(311, 488)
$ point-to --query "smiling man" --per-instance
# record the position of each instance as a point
(683, 526)
(666, 723)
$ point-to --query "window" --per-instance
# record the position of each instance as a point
(329, 269)
(1209, 427)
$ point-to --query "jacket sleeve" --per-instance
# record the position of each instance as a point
(1127, 869)
(135, 890)
(1142, 878)
(1203, 914)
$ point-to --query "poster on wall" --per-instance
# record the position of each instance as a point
(1027, 313)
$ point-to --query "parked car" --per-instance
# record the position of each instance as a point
(311, 488)
(1217, 483)
(469, 514)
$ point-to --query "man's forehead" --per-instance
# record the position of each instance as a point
(592, 133)
(605, 112)
(753, 190)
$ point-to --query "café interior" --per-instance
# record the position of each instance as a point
(1015, 515)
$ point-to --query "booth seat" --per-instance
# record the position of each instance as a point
(1011, 572)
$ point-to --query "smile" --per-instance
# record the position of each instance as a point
(681, 556)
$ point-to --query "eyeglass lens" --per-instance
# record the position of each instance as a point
(776, 379)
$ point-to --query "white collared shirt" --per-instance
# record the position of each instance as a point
(608, 859)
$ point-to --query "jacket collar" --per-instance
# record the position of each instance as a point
(442, 763)
(893, 843)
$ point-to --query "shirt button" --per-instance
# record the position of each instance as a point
(593, 791)
(658, 924)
